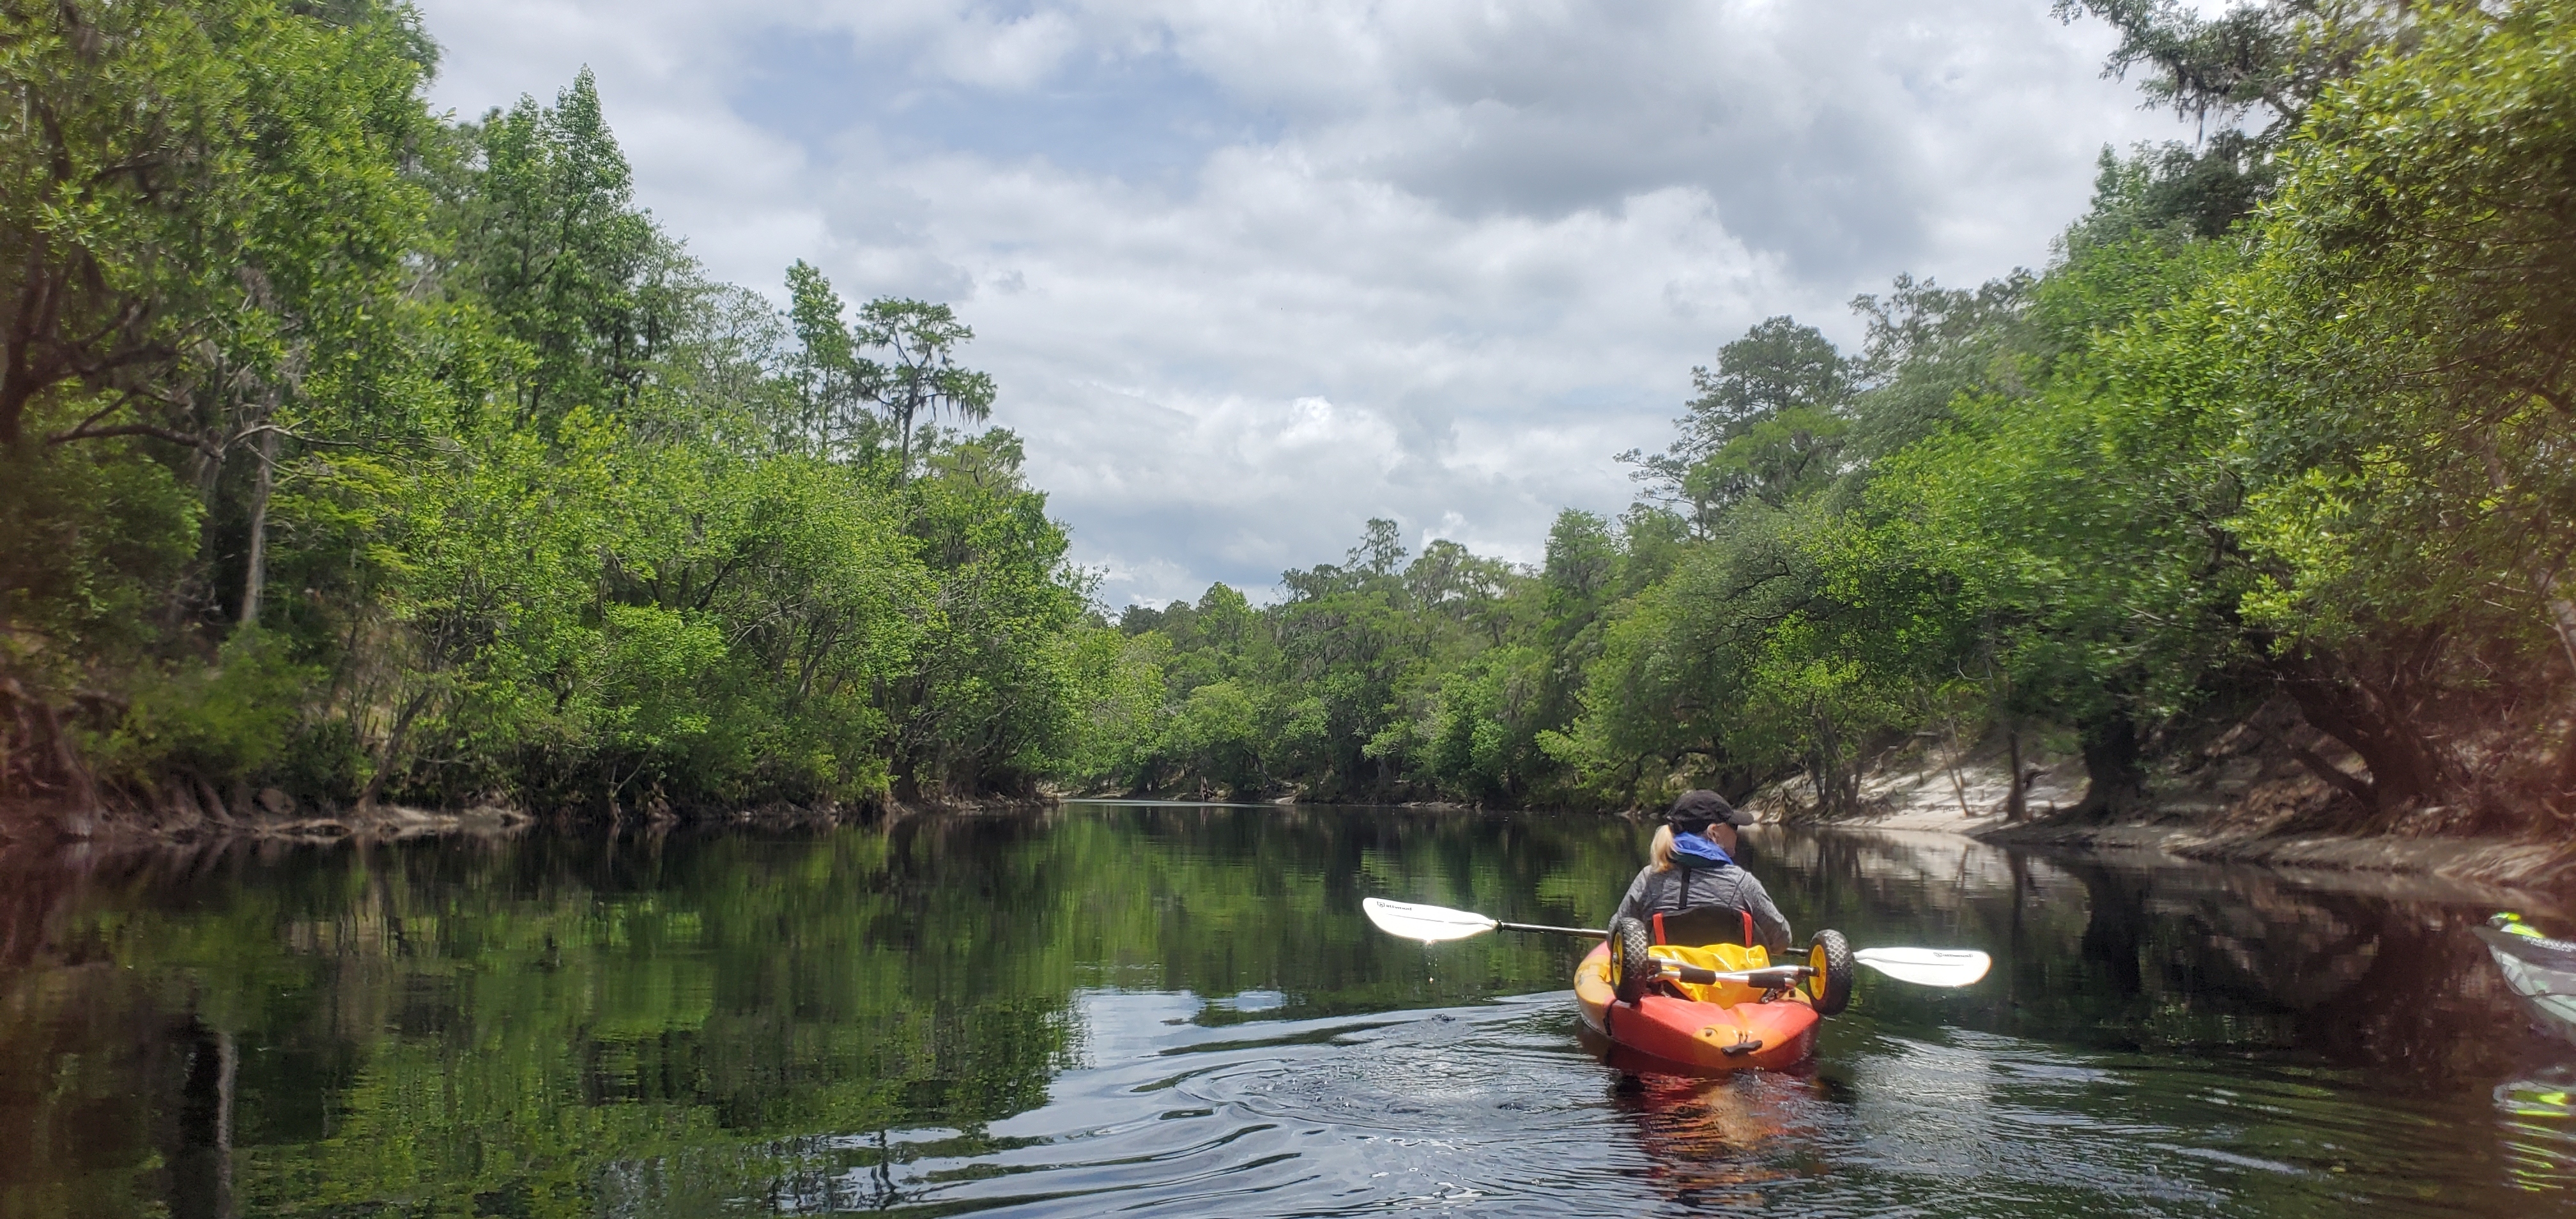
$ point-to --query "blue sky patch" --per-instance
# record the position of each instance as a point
(1140, 118)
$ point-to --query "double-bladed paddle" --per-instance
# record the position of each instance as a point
(1920, 966)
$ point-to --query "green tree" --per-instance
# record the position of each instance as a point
(1766, 424)
(2262, 62)
(547, 238)
(920, 379)
(209, 218)
(833, 381)
(2410, 413)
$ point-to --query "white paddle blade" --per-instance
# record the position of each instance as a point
(1429, 924)
(1927, 966)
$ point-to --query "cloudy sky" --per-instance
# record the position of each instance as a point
(1251, 272)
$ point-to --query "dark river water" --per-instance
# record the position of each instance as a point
(1178, 1010)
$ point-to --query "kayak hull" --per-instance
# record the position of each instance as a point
(1729, 1030)
(2541, 973)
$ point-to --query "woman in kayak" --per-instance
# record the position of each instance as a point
(1694, 882)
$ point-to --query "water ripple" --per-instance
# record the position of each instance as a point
(1495, 1109)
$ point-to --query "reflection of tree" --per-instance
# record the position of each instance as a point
(2239, 958)
(2180, 958)
(2115, 921)
(2428, 998)
(542, 1023)
(30, 901)
(2350, 979)
(201, 1143)
(551, 1021)
(507, 1021)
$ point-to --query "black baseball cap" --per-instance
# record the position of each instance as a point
(1699, 806)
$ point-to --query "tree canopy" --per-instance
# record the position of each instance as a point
(350, 453)
(2285, 418)
(356, 454)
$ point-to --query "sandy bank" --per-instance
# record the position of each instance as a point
(2488, 863)
(38, 826)
(35, 828)
(2226, 802)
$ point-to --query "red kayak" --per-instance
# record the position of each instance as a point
(1716, 1008)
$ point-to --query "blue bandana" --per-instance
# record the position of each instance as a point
(1696, 851)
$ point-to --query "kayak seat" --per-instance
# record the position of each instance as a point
(1705, 925)
(1716, 958)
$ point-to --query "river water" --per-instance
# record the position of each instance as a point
(1178, 1010)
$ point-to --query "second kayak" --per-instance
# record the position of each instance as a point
(2541, 971)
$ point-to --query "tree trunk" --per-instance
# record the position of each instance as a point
(2352, 785)
(255, 579)
(2017, 793)
(2562, 619)
(1836, 793)
(394, 740)
(903, 446)
(2563, 799)
(2115, 923)
(2114, 782)
(2368, 717)
(190, 596)
(37, 760)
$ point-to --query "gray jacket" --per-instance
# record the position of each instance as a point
(1679, 889)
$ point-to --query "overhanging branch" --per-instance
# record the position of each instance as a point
(86, 432)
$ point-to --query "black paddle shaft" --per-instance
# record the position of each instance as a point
(1598, 934)
(1687, 973)
(1543, 929)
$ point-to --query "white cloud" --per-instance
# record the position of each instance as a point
(1252, 272)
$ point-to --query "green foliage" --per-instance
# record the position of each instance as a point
(2407, 418)
(369, 455)
(922, 379)
(377, 457)
(1766, 425)
(208, 208)
(2196, 460)
(2414, 336)
(96, 533)
(832, 379)
(220, 724)
(2181, 462)
(546, 238)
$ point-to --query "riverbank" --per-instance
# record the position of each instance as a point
(37, 827)
(2229, 805)
(2503, 863)
(2239, 797)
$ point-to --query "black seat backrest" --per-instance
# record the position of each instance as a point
(1705, 925)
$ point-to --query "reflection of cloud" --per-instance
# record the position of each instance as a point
(1492, 239)
(1113, 1027)
(2005, 1110)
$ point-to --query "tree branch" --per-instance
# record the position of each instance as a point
(2351, 785)
(86, 432)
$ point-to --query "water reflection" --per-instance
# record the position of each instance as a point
(1160, 1008)
(1706, 1142)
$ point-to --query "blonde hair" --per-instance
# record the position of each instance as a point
(1661, 850)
